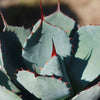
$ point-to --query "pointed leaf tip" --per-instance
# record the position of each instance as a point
(58, 7)
(53, 50)
(35, 73)
(42, 17)
(4, 22)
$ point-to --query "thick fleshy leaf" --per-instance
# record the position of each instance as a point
(56, 67)
(52, 67)
(53, 76)
(61, 20)
(43, 87)
(11, 53)
(1, 60)
(7, 95)
(0, 64)
(85, 65)
(38, 48)
(92, 93)
(21, 33)
(6, 82)
(67, 24)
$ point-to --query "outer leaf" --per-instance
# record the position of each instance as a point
(0, 64)
(7, 95)
(52, 67)
(38, 48)
(61, 21)
(56, 67)
(11, 53)
(85, 65)
(5, 81)
(67, 24)
(43, 87)
(21, 33)
(92, 93)
(1, 60)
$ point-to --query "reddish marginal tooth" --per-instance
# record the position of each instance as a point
(66, 31)
(73, 46)
(40, 68)
(72, 18)
(15, 73)
(87, 88)
(47, 62)
(35, 73)
(61, 28)
(53, 76)
(54, 25)
(78, 26)
(28, 70)
(31, 33)
(98, 83)
(71, 38)
(72, 50)
(70, 88)
(22, 69)
(66, 82)
(20, 96)
(26, 40)
(60, 78)
(17, 70)
(22, 48)
(78, 21)
(13, 91)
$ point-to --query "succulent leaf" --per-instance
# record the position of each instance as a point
(53, 76)
(92, 93)
(55, 66)
(20, 32)
(11, 53)
(85, 65)
(43, 87)
(67, 24)
(38, 48)
(7, 95)
(6, 82)
(48, 63)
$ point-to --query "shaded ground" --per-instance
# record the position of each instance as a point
(27, 16)
(87, 11)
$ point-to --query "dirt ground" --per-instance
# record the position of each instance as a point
(84, 11)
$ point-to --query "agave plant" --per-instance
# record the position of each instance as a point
(56, 60)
